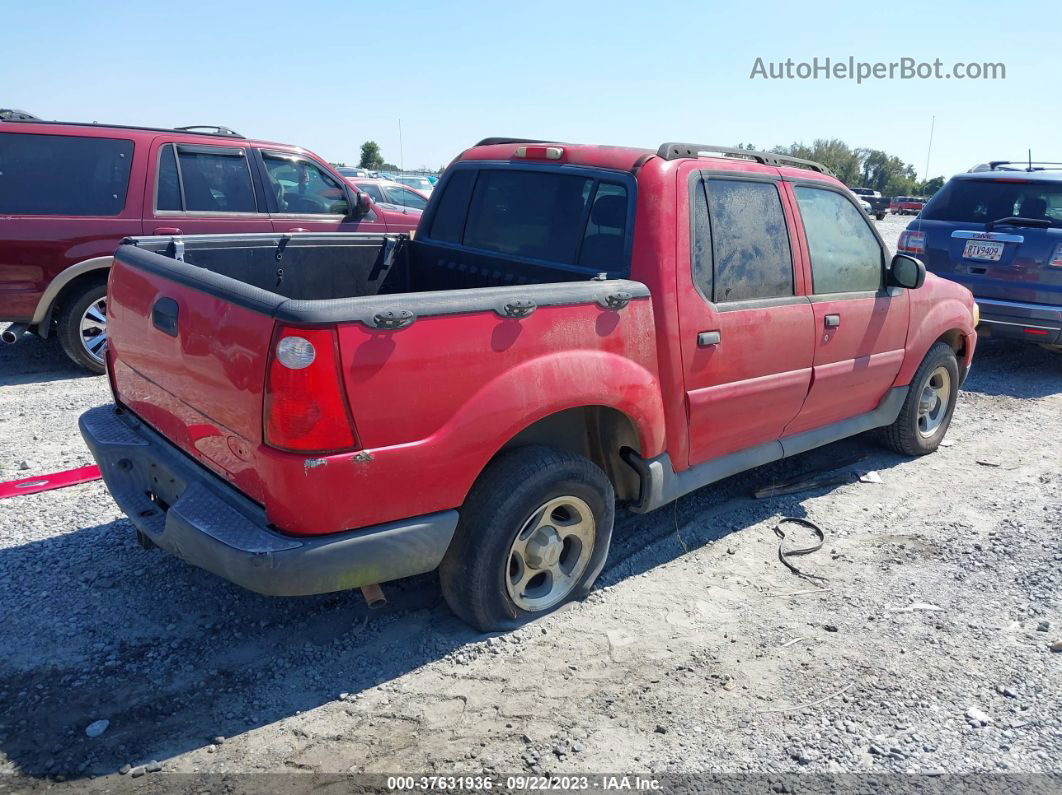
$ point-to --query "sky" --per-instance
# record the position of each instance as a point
(329, 75)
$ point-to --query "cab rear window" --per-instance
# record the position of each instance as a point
(572, 219)
(63, 174)
(985, 200)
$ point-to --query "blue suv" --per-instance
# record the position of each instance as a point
(997, 230)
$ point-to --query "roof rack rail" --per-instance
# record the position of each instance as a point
(10, 114)
(674, 151)
(209, 129)
(1023, 165)
(505, 140)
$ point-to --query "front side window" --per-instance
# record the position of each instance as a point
(845, 253)
(300, 186)
(750, 242)
(63, 174)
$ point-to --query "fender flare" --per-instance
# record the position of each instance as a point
(42, 314)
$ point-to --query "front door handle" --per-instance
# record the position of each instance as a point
(707, 339)
(168, 230)
(833, 321)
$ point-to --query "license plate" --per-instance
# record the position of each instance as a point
(983, 249)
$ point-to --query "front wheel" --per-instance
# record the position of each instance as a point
(930, 403)
(534, 534)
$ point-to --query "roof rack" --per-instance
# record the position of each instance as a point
(209, 129)
(196, 129)
(675, 151)
(1024, 165)
(10, 114)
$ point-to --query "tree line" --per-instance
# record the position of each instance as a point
(859, 167)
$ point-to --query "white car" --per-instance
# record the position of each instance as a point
(417, 182)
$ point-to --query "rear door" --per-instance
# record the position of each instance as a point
(860, 325)
(64, 199)
(202, 189)
(304, 196)
(747, 329)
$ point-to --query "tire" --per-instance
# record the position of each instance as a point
(880, 216)
(82, 346)
(925, 416)
(499, 570)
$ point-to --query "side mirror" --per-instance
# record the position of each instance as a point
(363, 204)
(907, 272)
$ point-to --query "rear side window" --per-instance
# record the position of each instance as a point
(545, 215)
(986, 200)
(214, 179)
(750, 242)
(845, 254)
(63, 174)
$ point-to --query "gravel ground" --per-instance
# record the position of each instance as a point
(926, 648)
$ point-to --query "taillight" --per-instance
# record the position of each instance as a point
(306, 408)
(1056, 258)
(912, 242)
(540, 152)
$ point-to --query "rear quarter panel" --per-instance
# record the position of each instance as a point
(435, 401)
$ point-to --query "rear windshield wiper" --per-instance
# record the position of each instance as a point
(1016, 220)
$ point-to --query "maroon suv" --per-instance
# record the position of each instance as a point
(70, 192)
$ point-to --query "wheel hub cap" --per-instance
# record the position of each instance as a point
(543, 548)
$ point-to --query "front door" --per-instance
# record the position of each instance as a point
(747, 329)
(860, 325)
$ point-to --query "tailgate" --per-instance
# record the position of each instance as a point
(191, 363)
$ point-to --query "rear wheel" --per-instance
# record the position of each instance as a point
(534, 534)
(930, 403)
(83, 326)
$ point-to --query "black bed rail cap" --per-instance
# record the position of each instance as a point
(675, 151)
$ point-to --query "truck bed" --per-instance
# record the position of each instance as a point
(433, 350)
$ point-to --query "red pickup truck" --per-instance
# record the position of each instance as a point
(571, 326)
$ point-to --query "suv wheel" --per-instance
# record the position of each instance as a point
(533, 535)
(83, 326)
(930, 403)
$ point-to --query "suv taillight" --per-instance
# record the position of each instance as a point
(912, 242)
(1056, 258)
(306, 409)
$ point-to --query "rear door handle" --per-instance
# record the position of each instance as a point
(168, 230)
(707, 339)
(833, 321)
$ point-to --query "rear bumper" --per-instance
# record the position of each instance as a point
(191, 512)
(1014, 320)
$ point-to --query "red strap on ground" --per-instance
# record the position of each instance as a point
(57, 480)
